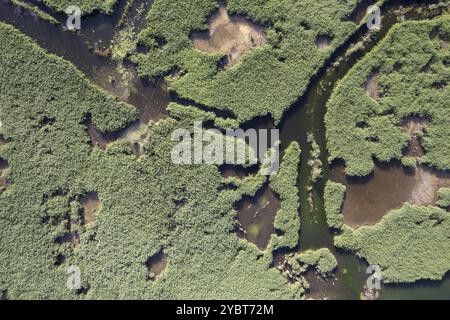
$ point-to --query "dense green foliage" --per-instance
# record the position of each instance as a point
(408, 244)
(269, 78)
(321, 259)
(86, 6)
(284, 183)
(333, 197)
(147, 203)
(413, 67)
(444, 197)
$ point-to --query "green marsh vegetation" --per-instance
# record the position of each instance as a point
(284, 183)
(410, 69)
(148, 204)
(269, 78)
(443, 198)
(403, 79)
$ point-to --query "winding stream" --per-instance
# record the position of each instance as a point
(307, 115)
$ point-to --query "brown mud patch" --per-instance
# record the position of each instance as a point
(368, 199)
(91, 205)
(372, 85)
(3, 183)
(233, 34)
(156, 264)
(256, 217)
(2, 141)
(428, 182)
(3, 165)
(323, 42)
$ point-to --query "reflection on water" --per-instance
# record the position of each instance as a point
(256, 217)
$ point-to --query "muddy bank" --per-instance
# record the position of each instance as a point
(256, 217)
(233, 35)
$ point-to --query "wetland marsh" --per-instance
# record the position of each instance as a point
(104, 194)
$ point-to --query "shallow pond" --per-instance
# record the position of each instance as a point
(256, 218)
(233, 35)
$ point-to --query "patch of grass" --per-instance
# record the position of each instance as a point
(284, 183)
(334, 196)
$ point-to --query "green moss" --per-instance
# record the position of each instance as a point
(412, 71)
(269, 78)
(334, 197)
(408, 244)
